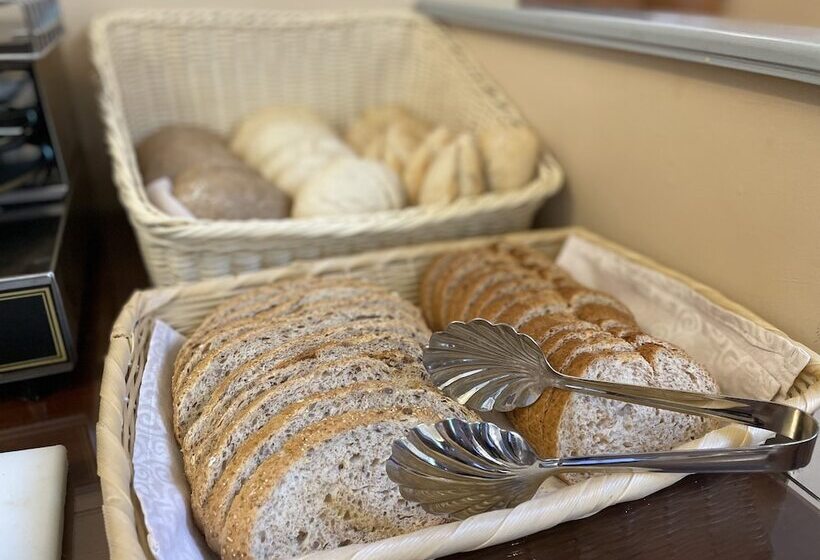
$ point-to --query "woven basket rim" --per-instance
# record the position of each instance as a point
(120, 505)
(549, 180)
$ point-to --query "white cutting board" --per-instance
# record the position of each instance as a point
(32, 498)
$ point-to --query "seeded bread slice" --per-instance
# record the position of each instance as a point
(325, 489)
(207, 460)
(561, 358)
(193, 395)
(600, 313)
(472, 288)
(572, 424)
(259, 300)
(496, 299)
(270, 438)
(332, 299)
(237, 391)
(453, 281)
(526, 306)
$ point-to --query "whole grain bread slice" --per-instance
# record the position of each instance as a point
(539, 422)
(525, 307)
(340, 298)
(253, 302)
(561, 358)
(236, 392)
(444, 282)
(205, 461)
(269, 438)
(193, 395)
(326, 489)
(452, 283)
(496, 299)
(459, 307)
(604, 313)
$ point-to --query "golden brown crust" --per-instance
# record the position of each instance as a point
(598, 313)
(524, 306)
(428, 285)
(562, 356)
(455, 282)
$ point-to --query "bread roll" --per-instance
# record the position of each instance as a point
(233, 192)
(298, 162)
(510, 156)
(261, 134)
(175, 148)
(455, 172)
(349, 186)
(418, 164)
(375, 121)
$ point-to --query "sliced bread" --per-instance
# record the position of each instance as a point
(334, 298)
(325, 489)
(206, 460)
(194, 392)
(269, 438)
(253, 302)
(246, 383)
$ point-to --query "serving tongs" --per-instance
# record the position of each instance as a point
(464, 468)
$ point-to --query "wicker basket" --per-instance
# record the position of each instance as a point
(213, 67)
(398, 269)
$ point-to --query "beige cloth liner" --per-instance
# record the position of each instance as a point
(745, 358)
(161, 194)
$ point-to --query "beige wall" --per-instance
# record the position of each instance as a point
(711, 171)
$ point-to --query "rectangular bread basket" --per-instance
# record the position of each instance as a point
(399, 269)
(211, 67)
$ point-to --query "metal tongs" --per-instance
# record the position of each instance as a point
(464, 468)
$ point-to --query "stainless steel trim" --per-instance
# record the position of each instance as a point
(776, 50)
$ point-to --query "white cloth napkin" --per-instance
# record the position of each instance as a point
(159, 478)
(160, 193)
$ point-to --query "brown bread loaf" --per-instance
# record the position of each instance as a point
(582, 332)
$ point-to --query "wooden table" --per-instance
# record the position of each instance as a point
(702, 517)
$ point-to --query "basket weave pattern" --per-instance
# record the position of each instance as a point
(396, 269)
(211, 67)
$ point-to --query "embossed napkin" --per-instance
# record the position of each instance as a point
(745, 359)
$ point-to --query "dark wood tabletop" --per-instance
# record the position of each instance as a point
(702, 517)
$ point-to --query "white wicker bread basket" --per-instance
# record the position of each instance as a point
(399, 269)
(211, 67)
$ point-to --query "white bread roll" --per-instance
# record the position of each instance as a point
(510, 156)
(349, 186)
